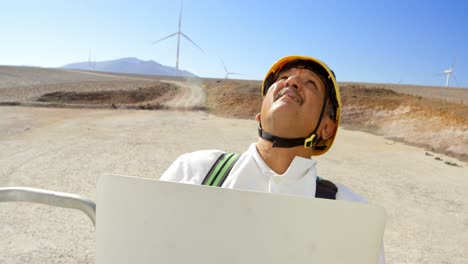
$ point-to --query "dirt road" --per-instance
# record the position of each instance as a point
(192, 95)
(68, 149)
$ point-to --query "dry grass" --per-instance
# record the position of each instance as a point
(233, 98)
(453, 95)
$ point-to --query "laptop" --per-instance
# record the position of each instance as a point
(150, 221)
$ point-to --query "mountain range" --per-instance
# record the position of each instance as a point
(129, 65)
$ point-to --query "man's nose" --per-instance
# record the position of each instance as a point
(293, 81)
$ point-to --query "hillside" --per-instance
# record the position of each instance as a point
(129, 65)
(14, 76)
(430, 117)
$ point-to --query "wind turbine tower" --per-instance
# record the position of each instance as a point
(448, 72)
(91, 63)
(179, 33)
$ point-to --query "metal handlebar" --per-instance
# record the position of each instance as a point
(57, 199)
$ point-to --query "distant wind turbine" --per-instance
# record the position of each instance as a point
(91, 64)
(449, 72)
(228, 72)
(179, 33)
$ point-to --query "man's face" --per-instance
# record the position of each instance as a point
(291, 108)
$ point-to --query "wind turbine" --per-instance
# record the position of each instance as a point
(449, 72)
(227, 72)
(179, 33)
(91, 64)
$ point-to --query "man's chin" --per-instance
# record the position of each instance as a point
(286, 107)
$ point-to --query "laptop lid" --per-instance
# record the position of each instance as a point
(151, 221)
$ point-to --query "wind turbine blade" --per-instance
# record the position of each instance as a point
(223, 64)
(191, 41)
(173, 34)
(236, 73)
(180, 16)
(455, 78)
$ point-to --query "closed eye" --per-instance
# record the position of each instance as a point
(312, 83)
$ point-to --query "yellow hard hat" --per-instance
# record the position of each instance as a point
(328, 76)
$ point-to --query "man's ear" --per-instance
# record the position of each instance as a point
(257, 117)
(328, 128)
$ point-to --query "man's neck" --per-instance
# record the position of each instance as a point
(279, 159)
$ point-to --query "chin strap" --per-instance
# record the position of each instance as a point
(308, 142)
(279, 142)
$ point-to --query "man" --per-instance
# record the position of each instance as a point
(298, 119)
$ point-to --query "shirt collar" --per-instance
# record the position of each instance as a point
(297, 169)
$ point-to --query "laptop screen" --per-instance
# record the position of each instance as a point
(150, 221)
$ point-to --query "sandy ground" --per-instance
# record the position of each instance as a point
(68, 149)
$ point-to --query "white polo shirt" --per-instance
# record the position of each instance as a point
(251, 173)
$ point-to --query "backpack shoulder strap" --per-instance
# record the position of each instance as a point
(325, 189)
(220, 169)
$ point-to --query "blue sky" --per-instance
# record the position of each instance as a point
(378, 41)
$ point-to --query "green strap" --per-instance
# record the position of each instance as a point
(225, 170)
(223, 165)
(220, 170)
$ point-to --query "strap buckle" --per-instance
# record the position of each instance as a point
(309, 142)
